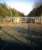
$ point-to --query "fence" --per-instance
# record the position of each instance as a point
(22, 19)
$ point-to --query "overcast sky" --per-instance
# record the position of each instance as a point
(24, 6)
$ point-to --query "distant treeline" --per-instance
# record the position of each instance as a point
(7, 11)
(36, 12)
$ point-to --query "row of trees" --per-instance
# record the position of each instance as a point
(36, 12)
(7, 11)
